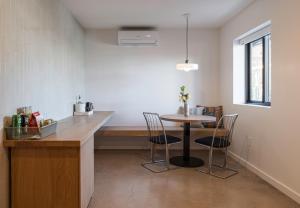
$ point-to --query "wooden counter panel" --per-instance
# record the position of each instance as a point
(45, 177)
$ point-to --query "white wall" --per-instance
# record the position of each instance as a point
(267, 138)
(130, 80)
(41, 63)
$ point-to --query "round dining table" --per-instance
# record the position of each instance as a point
(186, 160)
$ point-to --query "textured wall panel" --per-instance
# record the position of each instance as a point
(41, 63)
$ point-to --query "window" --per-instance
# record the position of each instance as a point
(258, 71)
(252, 67)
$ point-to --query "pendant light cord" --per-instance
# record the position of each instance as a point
(187, 66)
(187, 38)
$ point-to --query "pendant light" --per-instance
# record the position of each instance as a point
(187, 66)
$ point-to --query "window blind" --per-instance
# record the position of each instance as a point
(252, 36)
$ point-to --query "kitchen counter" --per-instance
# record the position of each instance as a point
(71, 132)
(56, 171)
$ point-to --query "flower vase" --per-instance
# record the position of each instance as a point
(186, 110)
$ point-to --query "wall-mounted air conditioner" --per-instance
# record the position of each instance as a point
(138, 38)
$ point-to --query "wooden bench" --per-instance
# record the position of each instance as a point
(142, 131)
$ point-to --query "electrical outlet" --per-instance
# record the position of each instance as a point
(250, 137)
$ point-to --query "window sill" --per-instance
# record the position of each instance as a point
(253, 105)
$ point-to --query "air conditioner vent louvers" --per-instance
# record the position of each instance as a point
(138, 38)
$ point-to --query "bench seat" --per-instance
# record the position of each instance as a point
(142, 131)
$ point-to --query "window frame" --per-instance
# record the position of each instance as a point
(266, 72)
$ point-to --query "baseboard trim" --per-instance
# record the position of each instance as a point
(275, 183)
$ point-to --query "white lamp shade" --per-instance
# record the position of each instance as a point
(187, 67)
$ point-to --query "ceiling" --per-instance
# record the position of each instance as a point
(104, 14)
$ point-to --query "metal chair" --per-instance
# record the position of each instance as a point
(227, 123)
(158, 136)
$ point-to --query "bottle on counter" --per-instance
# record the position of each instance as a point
(16, 124)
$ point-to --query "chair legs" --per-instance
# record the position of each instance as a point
(153, 161)
(152, 151)
(167, 157)
(223, 166)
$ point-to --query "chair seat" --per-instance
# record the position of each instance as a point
(218, 142)
(161, 139)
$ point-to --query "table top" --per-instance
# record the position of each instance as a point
(185, 119)
(72, 131)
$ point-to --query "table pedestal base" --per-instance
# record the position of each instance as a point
(191, 163)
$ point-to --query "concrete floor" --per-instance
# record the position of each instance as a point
(121, 182)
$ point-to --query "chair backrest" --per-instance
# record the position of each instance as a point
(155, 127)
(227, 122)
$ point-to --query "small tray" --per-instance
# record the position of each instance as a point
(30, 133)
